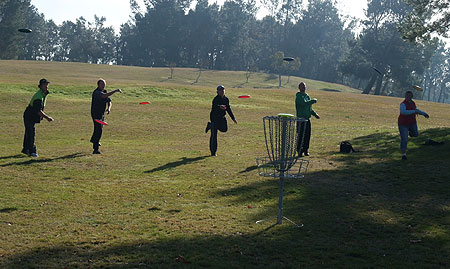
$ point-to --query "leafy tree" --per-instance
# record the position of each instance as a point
(319, 38)
(436, 80)
(200, 34)
(235, 35)
(279, 66)
(380, 44)
(12, 17)
(427, 17)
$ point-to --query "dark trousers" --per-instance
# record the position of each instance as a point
(303, 130)
(217, 125)
(28, 139)
(97, 134)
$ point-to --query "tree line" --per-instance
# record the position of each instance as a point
(384, 57)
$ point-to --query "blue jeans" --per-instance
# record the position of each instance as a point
(404, 131)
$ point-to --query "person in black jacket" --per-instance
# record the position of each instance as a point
(220, 106)
(100, 98)
(33, 114)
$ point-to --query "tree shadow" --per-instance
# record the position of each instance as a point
(182, 161)
(45, 160)
(330, 90)
(374, 199)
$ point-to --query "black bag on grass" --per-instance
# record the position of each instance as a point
(346, 147)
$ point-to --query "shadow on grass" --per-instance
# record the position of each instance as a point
(12, 156)
(372, 211)
(389, 208)
(330, 90)
(249, 169)
(182, 161)
(8, 209)
(45, 160)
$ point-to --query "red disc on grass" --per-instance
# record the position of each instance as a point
(244, 96)
(144, 103)
(101, 122)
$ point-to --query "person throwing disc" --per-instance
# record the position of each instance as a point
(100, 98)
(407, 123)
(218, 121)
(303, 106)
(33, 114)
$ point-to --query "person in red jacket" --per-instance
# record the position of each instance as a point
(407, 123)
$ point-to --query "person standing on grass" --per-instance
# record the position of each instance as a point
(33, 114)
(303, 106)
(100, 98)
(407, 123)
(218, 121)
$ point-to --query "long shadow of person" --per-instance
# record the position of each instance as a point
(45, 160)
(182, 161)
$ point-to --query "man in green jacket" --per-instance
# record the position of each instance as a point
(33, 114)
(303, 106)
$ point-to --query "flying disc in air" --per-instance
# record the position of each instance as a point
(244, 96)
(418, 88)
(101, 122)
(376, 70)
(288, 59)
(144, 103)
(25, 30)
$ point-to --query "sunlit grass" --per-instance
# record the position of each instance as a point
(155, 195)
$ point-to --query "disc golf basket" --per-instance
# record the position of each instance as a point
(282, 142)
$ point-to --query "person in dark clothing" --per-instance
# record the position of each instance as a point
(100, 98)
(33, 114)
(220, 106)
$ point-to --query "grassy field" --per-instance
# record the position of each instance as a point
(154, 198)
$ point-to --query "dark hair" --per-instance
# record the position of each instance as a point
(303, 84)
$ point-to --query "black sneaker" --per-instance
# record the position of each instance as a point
(404, 158)
(96, 152)
(208, 127)
(26, 151)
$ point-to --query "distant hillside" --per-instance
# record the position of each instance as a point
(29, 72)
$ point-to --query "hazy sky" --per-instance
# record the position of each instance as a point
(117, 12)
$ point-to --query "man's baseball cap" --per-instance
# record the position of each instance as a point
(220, 87)
(43, 81)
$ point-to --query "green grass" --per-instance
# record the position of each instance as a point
(154, 194)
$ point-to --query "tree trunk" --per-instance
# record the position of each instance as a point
(383, 90)
(379, 83)
(370, 85)
(279, 80)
